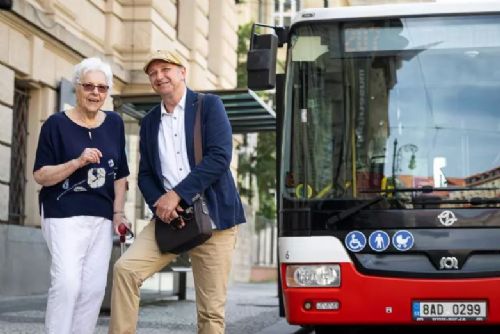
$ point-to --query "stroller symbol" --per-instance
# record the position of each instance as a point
(403, 240)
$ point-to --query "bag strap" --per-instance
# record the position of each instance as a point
(197, 130)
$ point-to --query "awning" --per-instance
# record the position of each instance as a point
(246, 111)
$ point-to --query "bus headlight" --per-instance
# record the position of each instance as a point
(326, 275)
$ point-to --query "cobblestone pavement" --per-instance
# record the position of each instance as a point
(251, 308)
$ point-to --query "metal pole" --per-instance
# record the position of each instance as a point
(394, 157)
(122, 244)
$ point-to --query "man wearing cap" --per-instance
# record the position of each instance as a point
(168, 177)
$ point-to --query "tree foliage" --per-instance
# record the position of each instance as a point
(261, 165)
(243, 45)
(265, 172)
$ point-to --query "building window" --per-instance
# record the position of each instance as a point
(284, 11)
(18, 156)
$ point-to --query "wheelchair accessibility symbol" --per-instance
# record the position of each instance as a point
(355, 241)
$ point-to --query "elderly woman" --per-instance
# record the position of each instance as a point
(81, 164)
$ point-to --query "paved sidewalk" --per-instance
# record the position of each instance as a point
(251, 309)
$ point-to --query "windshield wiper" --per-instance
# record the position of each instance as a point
(471, 201)
(343, 215)
(426, 189)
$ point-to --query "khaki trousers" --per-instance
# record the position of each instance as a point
(211, 264)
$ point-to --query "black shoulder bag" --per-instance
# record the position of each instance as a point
(198, 226)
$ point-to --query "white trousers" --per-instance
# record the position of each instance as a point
(80, 247)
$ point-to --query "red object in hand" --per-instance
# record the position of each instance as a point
(122, 229)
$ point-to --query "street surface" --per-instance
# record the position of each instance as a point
(251, 309)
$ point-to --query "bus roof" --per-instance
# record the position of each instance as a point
(398, 10)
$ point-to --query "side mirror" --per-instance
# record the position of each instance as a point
(261, 62)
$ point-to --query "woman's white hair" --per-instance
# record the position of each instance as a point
(92, 64)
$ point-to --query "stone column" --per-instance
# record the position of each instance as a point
(222, 42)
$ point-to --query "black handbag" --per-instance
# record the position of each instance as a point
(198, 226)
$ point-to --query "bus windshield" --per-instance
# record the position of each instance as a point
(377, 106)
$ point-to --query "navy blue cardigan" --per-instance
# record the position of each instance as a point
(212, 176)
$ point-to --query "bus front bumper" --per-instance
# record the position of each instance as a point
(372, 300)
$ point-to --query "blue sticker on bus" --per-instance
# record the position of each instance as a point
(379, 241)
(355, 241)
(416, 310)
(403, 240)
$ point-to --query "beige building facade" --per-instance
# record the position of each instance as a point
(41, 41)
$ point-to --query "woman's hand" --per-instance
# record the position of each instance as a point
(51, 175)
(119, 218)
(89, 156)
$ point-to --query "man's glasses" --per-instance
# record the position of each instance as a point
(89, 87)
(186, 216)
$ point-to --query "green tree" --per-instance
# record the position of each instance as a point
(245, 172)
(261, 166)
(265, 172)
(244, 32)
(245, 163)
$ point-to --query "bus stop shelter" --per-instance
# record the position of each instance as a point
(247, 112)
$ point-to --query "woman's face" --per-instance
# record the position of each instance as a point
(92, 91)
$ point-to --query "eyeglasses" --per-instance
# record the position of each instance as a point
(186, 216)
(90, 87)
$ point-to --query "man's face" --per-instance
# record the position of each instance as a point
(165, 78)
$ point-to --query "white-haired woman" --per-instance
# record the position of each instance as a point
(81, 164)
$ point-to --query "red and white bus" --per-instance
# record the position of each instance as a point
(389, 163)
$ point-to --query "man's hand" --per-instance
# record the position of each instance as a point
(166, 206)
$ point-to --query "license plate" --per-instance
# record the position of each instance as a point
(449, 311)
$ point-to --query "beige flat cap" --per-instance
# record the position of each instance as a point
(167, 56)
